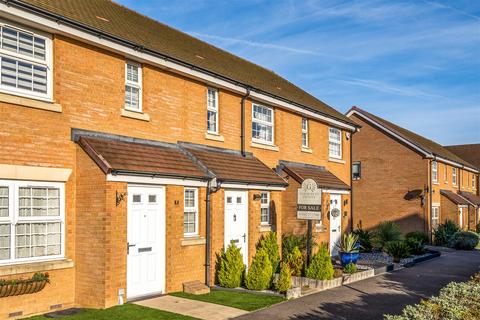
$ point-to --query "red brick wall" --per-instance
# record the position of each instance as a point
(388, 171)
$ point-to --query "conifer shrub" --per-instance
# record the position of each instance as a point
(295, 261)
(320, 267)
(231, 268)
(350, 268)
(285, 279)
(270, 245)
(259, 276)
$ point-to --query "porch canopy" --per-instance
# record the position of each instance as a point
(324, 178)
(455, 198)
(231, 167)
(126, 156)
(473, 198)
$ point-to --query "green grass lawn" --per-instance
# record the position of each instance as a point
(240, 300)
(125, 312)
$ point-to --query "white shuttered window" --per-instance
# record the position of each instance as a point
(133, 86)
(25, 62)
(32, 218)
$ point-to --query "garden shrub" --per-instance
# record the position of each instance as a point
(415, 246)
(290, 241)
(295, 261)
(464, 240)
(456, 301)
(419, 236)
(386, 232)
(285, 279)
(231, 268)
(259, 275)
(350, 268)
(320, 267)
(397, 249)
(444, 232)
(365, 239)
(478, 228)
(270, 245)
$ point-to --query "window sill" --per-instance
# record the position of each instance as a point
(336, 160)
(214, 137)
(264, 146)
(436, 183)
(135, 115)
(29, 267)
(307, 150)
(193, 241)
(30, 103)
(265, 228)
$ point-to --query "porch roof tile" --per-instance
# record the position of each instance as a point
(454, 197)
(323, 177)
(473, 198)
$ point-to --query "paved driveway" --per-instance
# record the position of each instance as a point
(387, 293)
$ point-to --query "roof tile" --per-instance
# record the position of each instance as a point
(323, 177)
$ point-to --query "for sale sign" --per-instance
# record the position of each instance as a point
(309, 201)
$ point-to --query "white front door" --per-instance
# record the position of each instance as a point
(146, 241)
(236, 221)
(335, 223)
(460, 218)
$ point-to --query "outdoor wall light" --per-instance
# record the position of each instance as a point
(119, 197)
(345, 202)
(257, 196)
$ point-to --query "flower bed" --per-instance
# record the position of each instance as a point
(383, 257)
(18, 287)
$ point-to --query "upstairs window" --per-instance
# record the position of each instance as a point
(265, 208)
(31, 221)
(445, 176)
(190, 217)
(305, 132)
(473, 180)
(25, 63)
(212, 111)
(335, 143)
(133, 86)
(454, 176)
(262, 124)
(356, 171)
(434, 171)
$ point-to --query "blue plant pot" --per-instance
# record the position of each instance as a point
(349, 257)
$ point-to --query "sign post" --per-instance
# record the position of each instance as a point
(309, 207)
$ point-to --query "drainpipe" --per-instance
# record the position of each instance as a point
(430, 202)
(208, 236)
(242, 117)
(351, 181)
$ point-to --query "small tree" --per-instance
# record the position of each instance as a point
(285, 279)
(231, 269)
(295, 262)
(260, 273)
(270, 245)
(320, 267)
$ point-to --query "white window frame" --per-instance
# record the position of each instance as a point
(193, 209)
(437, 218)
(305, 129)
(265, 206)
(138, 85)
(434, 171)
(474, 178)
(14, 218)
(213, 109)
(48, 62)
(265, 123)
(336, 142)
(454, 176)
(445, 173)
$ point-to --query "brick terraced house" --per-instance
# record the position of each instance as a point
(131, 154)
(403, 177)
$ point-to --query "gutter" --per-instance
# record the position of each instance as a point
(242, 119)
(140, 48)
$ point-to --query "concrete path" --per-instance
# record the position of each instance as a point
(192, 308)
(374, 297)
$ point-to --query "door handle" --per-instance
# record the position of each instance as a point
(244, 237)
(128, 247)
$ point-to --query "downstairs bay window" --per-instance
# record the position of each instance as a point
(32, 216)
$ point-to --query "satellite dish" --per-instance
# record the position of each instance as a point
(413, 194)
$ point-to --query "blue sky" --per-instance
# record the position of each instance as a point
(416, 63)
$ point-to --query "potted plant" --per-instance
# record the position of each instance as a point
(349, 249)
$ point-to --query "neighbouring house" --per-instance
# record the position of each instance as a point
(470, 153)
(403, 177)
(131, 154)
